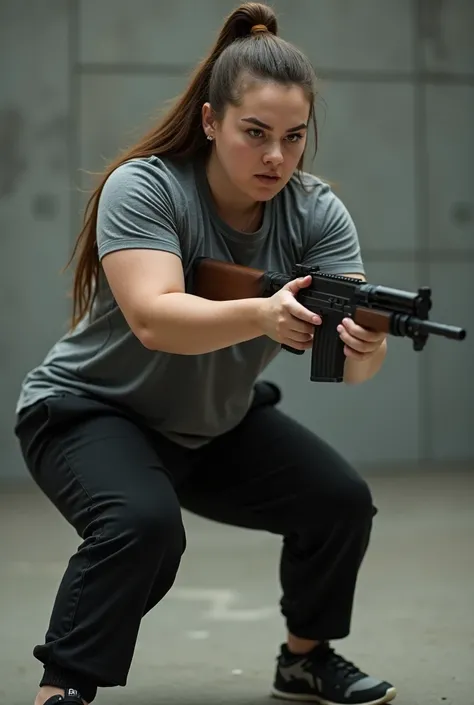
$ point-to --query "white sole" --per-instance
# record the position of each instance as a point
(387, 698)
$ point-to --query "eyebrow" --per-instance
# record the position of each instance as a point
(259, 123)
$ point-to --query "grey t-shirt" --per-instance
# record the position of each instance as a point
(159, 204)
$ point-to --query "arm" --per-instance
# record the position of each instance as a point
(140, 249)
(148, 286)
(357, 371)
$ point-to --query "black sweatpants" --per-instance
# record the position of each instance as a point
(122, 488)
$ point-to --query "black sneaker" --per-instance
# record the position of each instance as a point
(70, 697)
(324, 677)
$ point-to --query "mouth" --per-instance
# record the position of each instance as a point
(268, 178)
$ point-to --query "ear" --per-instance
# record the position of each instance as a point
(208, 120)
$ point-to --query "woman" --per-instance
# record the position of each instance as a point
(150, 402)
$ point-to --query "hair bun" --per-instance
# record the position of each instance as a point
(259, 29)
(250, 19)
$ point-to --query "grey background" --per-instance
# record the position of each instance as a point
(82, 79)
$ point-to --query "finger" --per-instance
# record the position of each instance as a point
(298, 326)
(303, 314)
(298, 345)
(296, 284)
(301, 337)
(355, 355)
(362, 333)
(361, 346)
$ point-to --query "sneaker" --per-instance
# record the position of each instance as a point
(322, 676)
(70, 697)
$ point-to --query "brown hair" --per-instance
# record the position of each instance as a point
(237, 51)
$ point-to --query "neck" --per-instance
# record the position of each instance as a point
(234, 207)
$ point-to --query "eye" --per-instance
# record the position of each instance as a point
(252, 132)
(297, 135)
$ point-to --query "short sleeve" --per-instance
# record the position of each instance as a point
(333, 242)
(137, 210)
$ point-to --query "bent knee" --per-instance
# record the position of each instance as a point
(150, 527)
(350, 500)
(359, 499)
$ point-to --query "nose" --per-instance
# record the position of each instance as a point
(273, 155)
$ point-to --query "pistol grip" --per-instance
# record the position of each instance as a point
(328, 359)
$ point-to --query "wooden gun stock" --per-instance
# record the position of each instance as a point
(224, 281)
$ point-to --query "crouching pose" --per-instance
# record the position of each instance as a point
(151, 402)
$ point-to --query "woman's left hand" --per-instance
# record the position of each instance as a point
(360, 343)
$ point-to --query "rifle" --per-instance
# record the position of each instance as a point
(333, 297)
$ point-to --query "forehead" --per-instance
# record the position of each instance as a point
(273, 103)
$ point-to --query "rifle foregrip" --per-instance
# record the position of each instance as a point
(328, 359)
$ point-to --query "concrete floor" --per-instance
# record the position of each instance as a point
(213, 639)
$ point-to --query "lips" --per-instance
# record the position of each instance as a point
(268, 178)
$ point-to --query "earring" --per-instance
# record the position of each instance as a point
(210, 138)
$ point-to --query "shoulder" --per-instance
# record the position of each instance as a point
(329, 236)
(148, 179)
(313, 207)
(313, 198)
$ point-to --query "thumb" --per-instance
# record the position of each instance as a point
(296, 284)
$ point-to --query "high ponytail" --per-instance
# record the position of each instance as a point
(237, 50)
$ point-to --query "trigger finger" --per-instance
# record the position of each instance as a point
(303, 314)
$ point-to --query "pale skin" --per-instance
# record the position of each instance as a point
(149, 285)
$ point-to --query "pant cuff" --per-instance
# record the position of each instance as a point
(63, 678)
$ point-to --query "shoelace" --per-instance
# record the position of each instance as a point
(337, 662)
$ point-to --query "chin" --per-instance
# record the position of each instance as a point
(263, 198)
(266, 192)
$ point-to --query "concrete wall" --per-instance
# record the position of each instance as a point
(81, 79)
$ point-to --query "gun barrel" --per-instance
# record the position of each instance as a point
(420, 328)
(453, 332)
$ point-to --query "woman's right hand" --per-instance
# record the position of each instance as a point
(285, 320)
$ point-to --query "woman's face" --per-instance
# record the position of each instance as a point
(259, 144)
